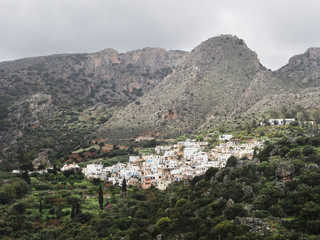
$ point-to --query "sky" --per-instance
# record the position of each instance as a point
(275, 29)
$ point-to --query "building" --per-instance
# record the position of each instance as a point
(281, 121)
(70, 167)
(93, 171)
(225, 137)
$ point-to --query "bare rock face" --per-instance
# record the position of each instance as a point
(229, 203)
(41, 159)
(217, 81)
(255, 224)
(51, 92)
(210, 78)
(303, 69)
(310, 58)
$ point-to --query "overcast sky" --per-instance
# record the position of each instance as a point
(275, 29)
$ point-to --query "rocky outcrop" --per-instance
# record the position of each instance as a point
(303, 69)
(41, 159)
(229, 203)
(44, 101)
(255, 224)
(217, 81)
(211, 78)
(32, 90)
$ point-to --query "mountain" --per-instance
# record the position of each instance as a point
(303, 69)
(55, 103)
(55, 100)
(216, 82)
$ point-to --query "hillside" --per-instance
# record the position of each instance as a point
(217, 81)
(58, 102)
(54, 101)
(273, 196)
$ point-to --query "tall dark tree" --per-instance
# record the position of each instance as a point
(54, 168)
(25, 176)
(40, 207)
(77, 209)
(124, 187)
(73, 211)
(100, 197)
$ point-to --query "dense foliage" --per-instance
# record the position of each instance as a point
(275, 196)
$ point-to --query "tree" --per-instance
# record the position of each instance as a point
(124, 187)
(100, 197)
(41, 167)
(308, 150)
(54, 168)
(301, 118)
(273, 114)
(316, 116)
(19, 208)
(73, 211)
(25, 176)
(96, 181)
(163, 223)
(77, 209)
(236, 210)
(222, 128)
(224, 228)
(231, 162)
(199, 138)
(40, 207)
(210, 173)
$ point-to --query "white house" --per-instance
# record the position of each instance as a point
(225, 137)
(188, 152)
(93, 170)
(281, 121)
(133, 159)
(70, 166)
(200, 157)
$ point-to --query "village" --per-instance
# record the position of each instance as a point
(171, 163)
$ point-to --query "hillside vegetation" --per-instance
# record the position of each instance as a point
(274, 196)
(54, 102)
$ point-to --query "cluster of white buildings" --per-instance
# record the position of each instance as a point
(177, 162)
(279, 121)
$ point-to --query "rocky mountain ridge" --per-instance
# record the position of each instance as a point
(217, 81)
(145, 92)
(42, 98)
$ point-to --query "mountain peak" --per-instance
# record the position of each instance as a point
(307, 60)
(224, 49)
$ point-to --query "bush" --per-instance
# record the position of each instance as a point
(236, 210)
(232, 161)
(163, 223)
(308, 150)
(42, 186)
(210, 173)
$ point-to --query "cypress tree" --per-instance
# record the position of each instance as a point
(25, 176)
(40, 207)
(77, 209)
(73, 211)
(124, 187)
(100, 197)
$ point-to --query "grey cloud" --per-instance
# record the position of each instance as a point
(275, 29)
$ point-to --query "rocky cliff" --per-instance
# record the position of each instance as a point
(219, 80)
(57, 101)
(45, 98)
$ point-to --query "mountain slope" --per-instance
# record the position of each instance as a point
(69, 95)
(208, 83)
(219, 80)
